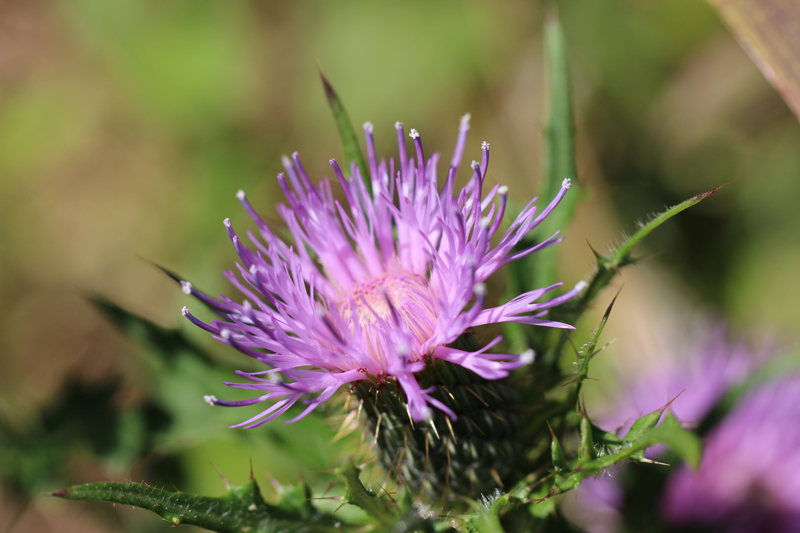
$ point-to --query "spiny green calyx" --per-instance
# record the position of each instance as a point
(469, 456)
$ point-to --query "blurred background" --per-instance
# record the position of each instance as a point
(127, 127)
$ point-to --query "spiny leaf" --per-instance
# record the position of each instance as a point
(487, 518)
(608, 266)
(586, 354)
(242, 509)
(357, 494)
(350, 146)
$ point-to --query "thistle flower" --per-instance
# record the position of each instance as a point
(377, 288)
(746, 481)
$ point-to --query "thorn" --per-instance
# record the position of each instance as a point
(410, 419)
(650, 461)
(496, 477)
(377, 430)
(223, 478)
(435, 431)
(450, 426)
(252, 475)
(476, 395)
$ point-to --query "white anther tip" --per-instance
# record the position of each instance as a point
(465, 120)
(286, 161)
(368, 127)
(474, 164)
(503, 190)
(320, 312)
(186, 287)
(566, 183)
(527, 357)
(253, 269)
(398, 124)
(480, 289)
(209, 399)
(485, 145)
(485, 222)
(581, 285)
(227, 222)
(414, 134)
(240, 194)
(185, 311)
(225, 334)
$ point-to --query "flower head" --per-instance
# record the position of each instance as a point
(746, 479)
(374, 288)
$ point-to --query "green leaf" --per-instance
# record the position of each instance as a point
(357, 494)
(608, 266)
(684, 443)
(168, 343)
(242, 509)
(586, 354)
(350, 146)
(767, 30)
(556, 452)
(559, 140)
(487, 518)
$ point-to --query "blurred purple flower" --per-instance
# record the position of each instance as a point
(696, 379)
(699, 378)
(372, 290)
(747, 481)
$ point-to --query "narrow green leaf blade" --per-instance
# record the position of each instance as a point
(623, 254)
(242, 509)
(559, 140)
(350, 146)
(608, 267)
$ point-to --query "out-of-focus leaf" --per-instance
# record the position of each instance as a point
(559, 139)
(242, 509)
(352, 150)
(168, 342)
(769, 31)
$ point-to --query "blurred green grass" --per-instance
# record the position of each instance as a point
(127, 127)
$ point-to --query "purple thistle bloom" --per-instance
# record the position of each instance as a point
(747, 481)
(375, 288)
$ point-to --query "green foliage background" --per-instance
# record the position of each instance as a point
(126, 128)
